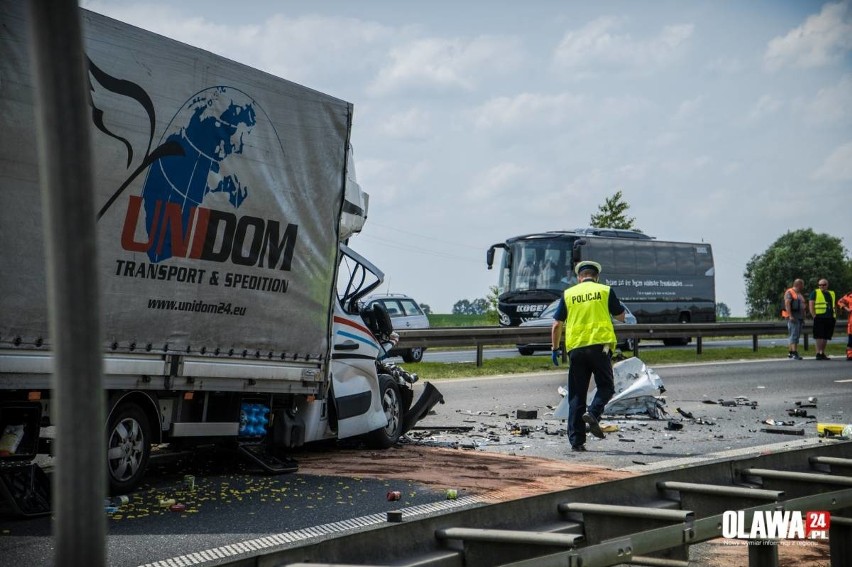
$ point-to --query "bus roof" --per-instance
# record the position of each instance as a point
(605, 232)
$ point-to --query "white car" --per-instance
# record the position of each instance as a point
(405, 314)
(546, 320)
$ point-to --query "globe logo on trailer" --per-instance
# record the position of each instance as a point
(212, 129)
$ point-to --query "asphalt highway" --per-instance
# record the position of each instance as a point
(232, 503)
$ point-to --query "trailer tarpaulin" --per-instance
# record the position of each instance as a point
(219, 189)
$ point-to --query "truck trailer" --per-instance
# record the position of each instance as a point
(230, 300)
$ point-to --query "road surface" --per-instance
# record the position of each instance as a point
(236, 504)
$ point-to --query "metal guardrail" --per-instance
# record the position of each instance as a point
(480, 337)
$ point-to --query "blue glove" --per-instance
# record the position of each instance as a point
(554, 356)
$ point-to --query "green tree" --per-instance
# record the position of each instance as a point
(466, 307)
(612, 214)
(462, 307)
(797, 254)
(492, 300)
(722, 311)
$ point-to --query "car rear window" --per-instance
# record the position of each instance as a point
(410, 308)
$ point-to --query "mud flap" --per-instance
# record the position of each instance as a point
(418, 411)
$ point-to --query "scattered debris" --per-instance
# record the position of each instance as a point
(627, 440)
(738, 401)
(637, 391)
(674, 425)
(783, 431)
(833, 429)
(447, 428)
(684, 413)
(799, 412)
(779, 422)
(526, 414)
(714, 402)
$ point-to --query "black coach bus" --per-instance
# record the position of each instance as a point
(659, 281)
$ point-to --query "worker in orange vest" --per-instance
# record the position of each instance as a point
(846, 303)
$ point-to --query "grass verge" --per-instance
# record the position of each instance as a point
(541, 362)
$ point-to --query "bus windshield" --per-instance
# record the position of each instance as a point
(539, 264)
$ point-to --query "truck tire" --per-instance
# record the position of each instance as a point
(413, 355)
(526, 351)
(392, 405)
(128, 447)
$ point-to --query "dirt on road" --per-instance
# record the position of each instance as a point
(492, 477)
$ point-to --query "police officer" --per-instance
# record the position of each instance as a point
(586, 308)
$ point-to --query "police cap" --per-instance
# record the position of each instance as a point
(587, 265)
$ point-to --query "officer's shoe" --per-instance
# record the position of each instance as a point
(594, 426)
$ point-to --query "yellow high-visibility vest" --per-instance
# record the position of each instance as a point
(589, 321)
(821, 305)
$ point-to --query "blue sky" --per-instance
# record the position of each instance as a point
(723, 122)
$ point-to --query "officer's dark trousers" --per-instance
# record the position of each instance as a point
(586, 361)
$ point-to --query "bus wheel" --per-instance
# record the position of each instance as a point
(128, 447)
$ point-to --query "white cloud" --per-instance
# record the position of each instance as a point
(823, 39)
(311, 49)
(445, 64)
(831, 104)
(597, 44)
(502, 179)
(689, 109)
(766, 105)
(412, 124)
(837, 166)
(392, 180)
(528, 109)
(725, 65)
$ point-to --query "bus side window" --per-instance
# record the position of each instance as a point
(685, 258)
(646, 260)
(666, 260)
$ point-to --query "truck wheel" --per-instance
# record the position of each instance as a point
(525, 351)
(392, 405)
(413, 355)
(128, 447)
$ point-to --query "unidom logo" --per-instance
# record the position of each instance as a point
(211, 130)
(776, 524)
(202, 158)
